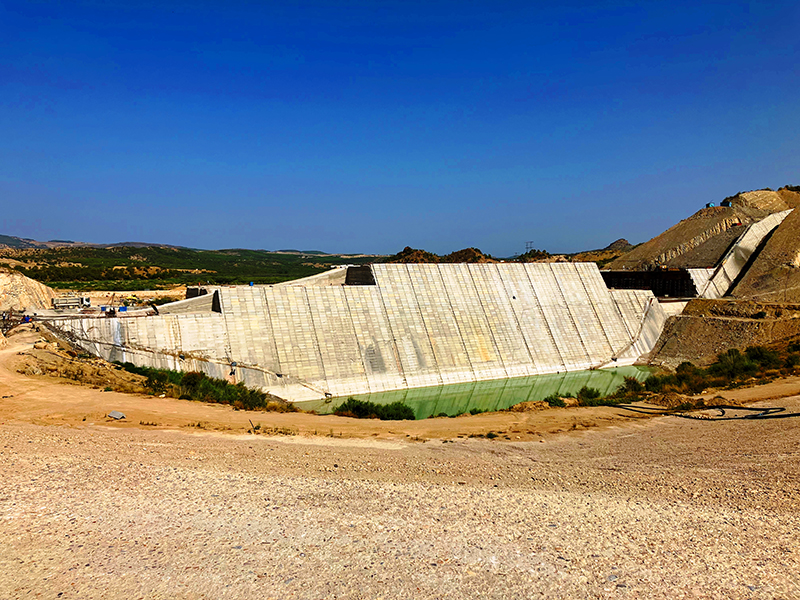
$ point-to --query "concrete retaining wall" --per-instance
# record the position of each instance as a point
(738, 256)
(420, 325)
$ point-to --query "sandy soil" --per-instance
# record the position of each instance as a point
(629, 508)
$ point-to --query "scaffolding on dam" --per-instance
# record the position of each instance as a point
(392, 326)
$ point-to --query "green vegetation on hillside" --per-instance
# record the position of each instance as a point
(153, 267)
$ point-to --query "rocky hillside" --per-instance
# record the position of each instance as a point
(702, 239)
(18, 292)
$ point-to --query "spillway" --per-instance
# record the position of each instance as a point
(395, 326)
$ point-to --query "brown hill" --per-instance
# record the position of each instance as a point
(412, 255)
(469, 255)
(602, 257)
(702, 239)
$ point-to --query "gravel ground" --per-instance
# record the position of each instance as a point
(664, 508)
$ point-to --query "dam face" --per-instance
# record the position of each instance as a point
(407, 326)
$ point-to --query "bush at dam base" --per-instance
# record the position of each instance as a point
(361, 409)
(200, 387)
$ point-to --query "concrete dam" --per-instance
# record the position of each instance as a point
(359, 330)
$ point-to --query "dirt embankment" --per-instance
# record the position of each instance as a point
(707, 328)
(687, 236)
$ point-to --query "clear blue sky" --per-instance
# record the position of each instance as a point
(369, 126)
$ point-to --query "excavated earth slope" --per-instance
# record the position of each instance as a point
(685, 237)
(708, 327)
(18, 292)
(702, 239)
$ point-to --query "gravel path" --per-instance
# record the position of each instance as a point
(664, 508)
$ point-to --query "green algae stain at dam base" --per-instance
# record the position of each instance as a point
(499, 394)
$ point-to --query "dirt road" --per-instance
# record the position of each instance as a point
(652, 508)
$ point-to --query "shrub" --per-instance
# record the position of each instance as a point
(732, 365)
(201, 387)
(630, 386)
(690, 378)
(362, 409)
(587, 393)
(555, 400)
(763, 357)
(792, 360)
(591, 397)
(156, 382)
(654, 383)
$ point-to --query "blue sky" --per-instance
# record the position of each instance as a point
(369, 126)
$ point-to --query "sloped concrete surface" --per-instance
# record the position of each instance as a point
(420, 325)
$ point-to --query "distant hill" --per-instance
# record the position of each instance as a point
(10, 241)
(413, 255)
(605, 255)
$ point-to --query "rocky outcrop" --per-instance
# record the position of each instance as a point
(18, 292)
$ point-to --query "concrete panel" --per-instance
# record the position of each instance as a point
(472, 323)
(600, 299)
(414, 348)
(496, 302)
(374, 337)
(334, 277)
(584, 315)
(558, 316)
(644, 318)
(530, 319)
(338, 344)
(296, 338)
(434, 305)
(200, 304)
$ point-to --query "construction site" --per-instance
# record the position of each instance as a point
(119, 491)
(698, 289)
